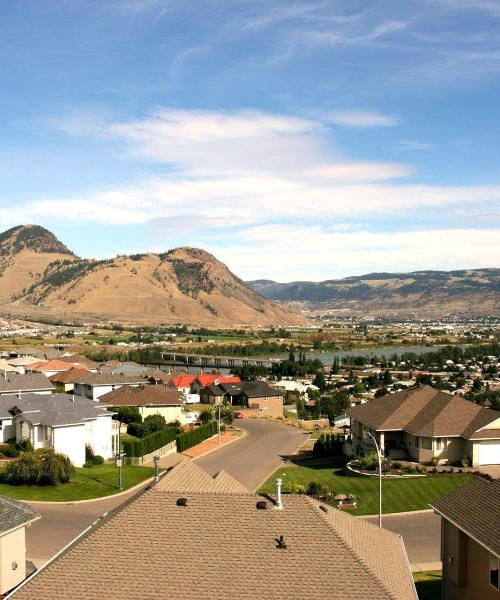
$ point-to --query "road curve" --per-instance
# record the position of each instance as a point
(253, 458)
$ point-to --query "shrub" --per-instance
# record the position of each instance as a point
(128, 414)
(396, 465)
(368, 462)
(465, 461)
(24, 446)
(188, 439)
(135, 429)
(42, 467)
(150, 443)
(153, 423)
(434, 461)
(315, 488)
(206, 416)
(328, 445)
(98, 460)
(290, 487)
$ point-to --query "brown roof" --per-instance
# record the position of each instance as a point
(424, 411)
(187, 476)
(110, 379)
(475, 509)
(144, 395)
(486, 434)
(219, 545)
(69, 376)
(49, 365)
(80, 359)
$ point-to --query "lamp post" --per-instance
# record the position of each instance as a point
(233, 387)
(119, 464)
(379, 479)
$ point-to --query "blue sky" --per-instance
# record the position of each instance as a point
(294, 140)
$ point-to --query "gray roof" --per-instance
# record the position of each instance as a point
(25, 383)
(475, 509)
(258, 389)
(54, 410)
(124, 368)
(94, 379)
(14, 514)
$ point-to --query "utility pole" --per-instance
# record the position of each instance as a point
(379, 479)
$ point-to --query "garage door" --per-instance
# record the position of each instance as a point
(489, 453)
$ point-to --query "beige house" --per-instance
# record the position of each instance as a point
(194, 536)
(14, 518)
(470, 541)
(422, 423)
(149, 399)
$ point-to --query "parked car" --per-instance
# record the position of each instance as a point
(239, 415)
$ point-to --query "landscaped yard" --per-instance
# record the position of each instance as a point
(399, 495)
(428, 584)
(100, 480)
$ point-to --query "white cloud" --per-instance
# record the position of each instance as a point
(416, 146)
(362, 118)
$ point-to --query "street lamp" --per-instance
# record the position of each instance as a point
(233, 387)
(379, 479)
(119, 463)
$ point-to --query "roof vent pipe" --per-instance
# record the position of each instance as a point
(72, 397)
(279, 501)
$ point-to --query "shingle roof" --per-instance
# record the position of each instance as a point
(69, 376)
(24, 383)
(424, 411)
(54, 410)
(219, 545)
(14, 514)
(186, 476)
(258, 389)
(475, 508)
(50, 365)
(80, 359)
(143, 395)
(94, 379)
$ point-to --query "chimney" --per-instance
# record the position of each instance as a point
(279, 501)
(72, 397)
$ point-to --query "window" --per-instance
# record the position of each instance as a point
(494, 565)
(426, 443)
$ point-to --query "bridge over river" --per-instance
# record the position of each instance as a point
(209, 360)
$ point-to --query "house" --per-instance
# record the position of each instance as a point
(15, 516)
(21, 364)
(289, 385)
(66, 379)
(202, 381)
(13, 383)
(59, 422)
(425, 423)
(79, 360)
(7, 367)
(183, 383)
(216, 393)
(260, 396)
(150, 400)
(130, 368)
(470, 541)
(50, 367)
(248, 547)
(95, 385)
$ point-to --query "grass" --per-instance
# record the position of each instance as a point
(399, 495)
(97, 482)
(428, 584)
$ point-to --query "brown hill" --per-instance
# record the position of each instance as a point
(185, 285)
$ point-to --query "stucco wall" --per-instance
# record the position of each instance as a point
(267, 406)
(169, 413)
(71, 441)
(98, 434)
(12, 553)
(8, 430)
(465, 568)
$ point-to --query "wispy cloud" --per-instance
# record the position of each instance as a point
(416, 146)
(362, 118)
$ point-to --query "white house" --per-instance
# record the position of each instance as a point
(60, 422)
(289, 385)
(13, 383)
(95, 385)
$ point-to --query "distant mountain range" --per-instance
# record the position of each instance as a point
(40, 276)
(421, 293)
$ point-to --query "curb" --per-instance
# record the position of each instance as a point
(144, 483)
(400, 514)
(240, 437)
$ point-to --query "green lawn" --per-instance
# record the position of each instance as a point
(96, 482)
(428, 584)
(399, 495)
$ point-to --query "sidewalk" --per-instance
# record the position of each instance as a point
(227, 437)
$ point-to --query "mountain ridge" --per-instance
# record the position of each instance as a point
(40, 276)
(426, 292)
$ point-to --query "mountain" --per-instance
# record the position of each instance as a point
(421, 293)
(39, 276)
(25, 253)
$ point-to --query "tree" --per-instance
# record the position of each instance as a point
(206, 416)
(386, 378)
(154, 423)
(320, 381)
(127, 414)
(42, 467)
(358, 388)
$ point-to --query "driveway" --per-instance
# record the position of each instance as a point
(253, 458)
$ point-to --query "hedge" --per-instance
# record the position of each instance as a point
(150, 443)
(191, 438)
(328, 445)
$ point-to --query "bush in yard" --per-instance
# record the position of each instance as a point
(315, 488)
(206, 416)
(328, 445)
(290, 487)
(135, 429)
(153, 423)
(369, 462)
(42, 467)
(24, 446)
(91, 458)
(127, 414)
